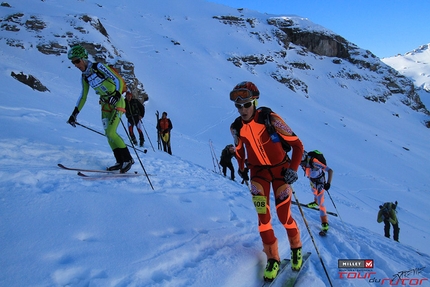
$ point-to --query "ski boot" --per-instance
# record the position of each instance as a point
(273, 262)
(118, 157)
(324, 226)
(127, 161)
(141, 141)
(296, 259)
(126, 166)
(116, 166)
(312, 204)
(134, 140)
(272, 269)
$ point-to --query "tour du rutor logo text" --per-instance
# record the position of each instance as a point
(361, 269)
(355, 263)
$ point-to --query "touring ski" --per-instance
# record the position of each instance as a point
(157, 114)
(108, 176)
(217, 167)
(293, 275)
(87, 170)
(314, 208)
(286, 276)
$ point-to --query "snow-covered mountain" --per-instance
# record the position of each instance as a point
(197, 228)
(415, 65)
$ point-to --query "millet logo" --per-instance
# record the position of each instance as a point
(355, 263)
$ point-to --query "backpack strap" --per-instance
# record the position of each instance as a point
(99, 73)
(264, 117)
(235, 129)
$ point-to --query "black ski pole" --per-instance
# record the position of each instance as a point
(310, 234)
(343, 223)
(157, 114)
(147, 135)
(97, 132)
(141, 164)
(140, 121)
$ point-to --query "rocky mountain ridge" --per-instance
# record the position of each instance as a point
(343, 61)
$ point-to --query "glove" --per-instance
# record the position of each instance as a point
(244, 174)
(327, 186)
(114, 98)
(290, 176)
(72, 119)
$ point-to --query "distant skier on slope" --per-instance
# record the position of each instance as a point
(270, 165)
(107, 84)
(225, 160)
(164, 126)
(315, 171)
(135, 111)
(387, 213)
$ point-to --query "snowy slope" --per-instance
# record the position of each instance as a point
(196, 228)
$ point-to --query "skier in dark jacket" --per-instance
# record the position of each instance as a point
(225, 161)
(135, 111)
(387, 213)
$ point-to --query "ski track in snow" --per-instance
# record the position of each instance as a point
(226, 237)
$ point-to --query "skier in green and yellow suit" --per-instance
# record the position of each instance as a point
(108, 85)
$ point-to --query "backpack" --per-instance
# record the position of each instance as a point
(124, 84)
(226, 155)
(263, 118)
(390, 205)
(318, 155)
(116, 73)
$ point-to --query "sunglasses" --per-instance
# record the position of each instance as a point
(245, 105)
(240, 94)
(77, 61)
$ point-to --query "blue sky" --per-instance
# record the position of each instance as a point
(384, 27)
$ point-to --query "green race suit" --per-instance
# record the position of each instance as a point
(105, 83)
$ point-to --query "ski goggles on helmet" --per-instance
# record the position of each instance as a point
(240, 95)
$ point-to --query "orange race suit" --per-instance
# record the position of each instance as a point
(315, 172)
(267, 160)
